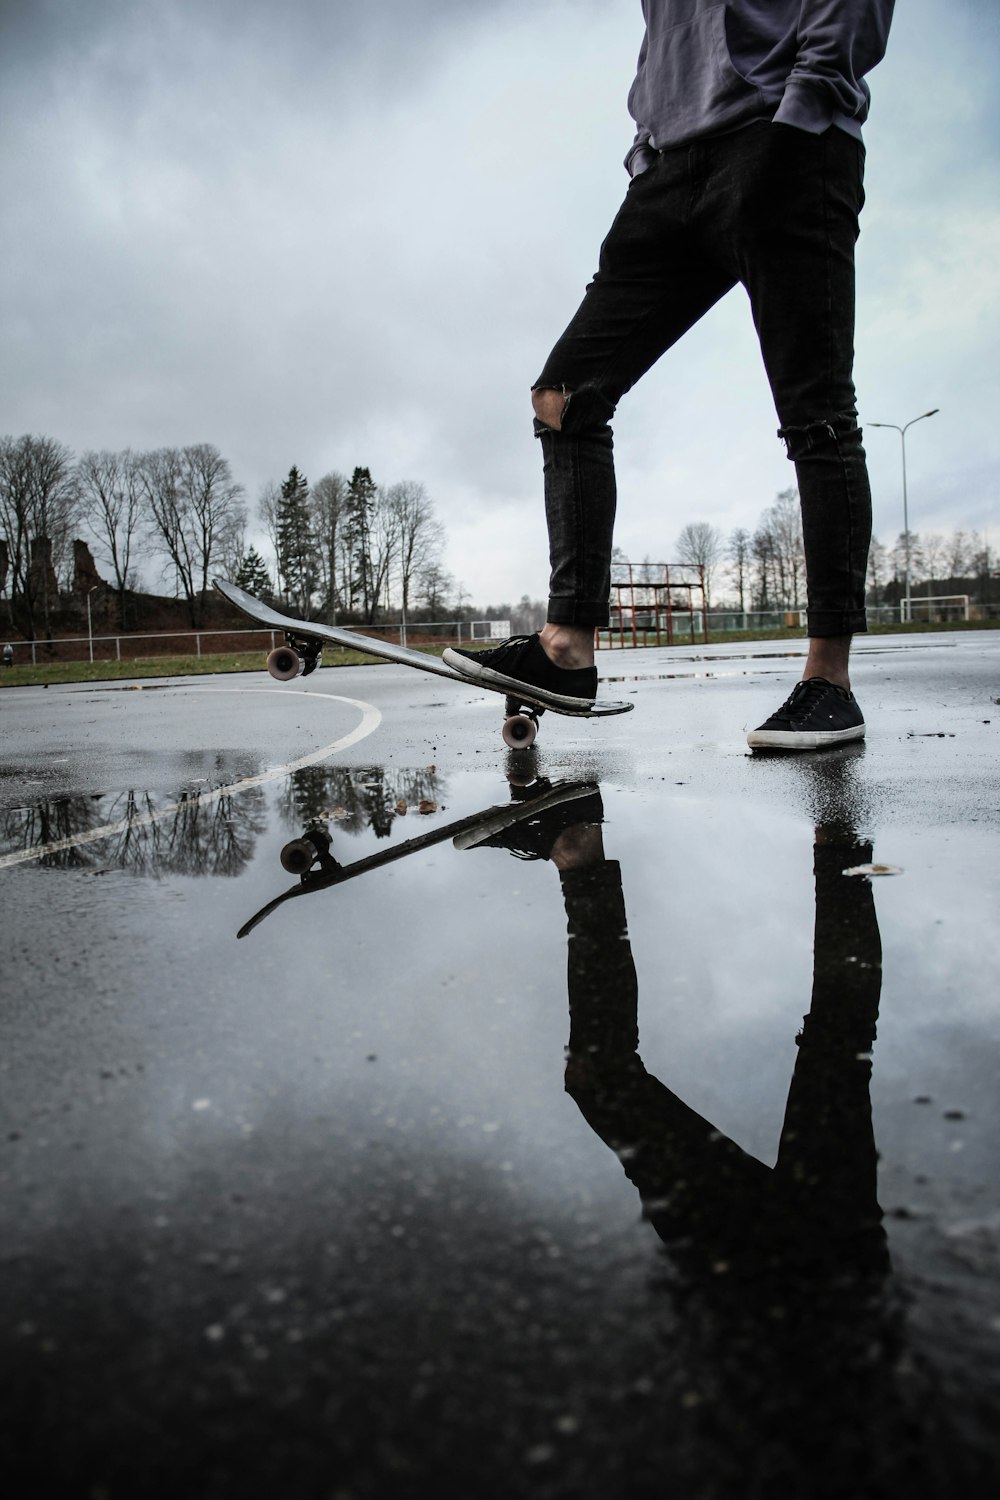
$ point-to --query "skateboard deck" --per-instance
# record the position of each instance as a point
(304, 640)
(310, 856)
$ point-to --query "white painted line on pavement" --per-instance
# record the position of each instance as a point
(371, 718)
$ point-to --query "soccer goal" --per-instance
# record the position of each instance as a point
(937, 607)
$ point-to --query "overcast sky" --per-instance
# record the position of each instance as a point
(333, 232)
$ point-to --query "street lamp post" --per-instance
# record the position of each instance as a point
(90, 628)
(906, 519)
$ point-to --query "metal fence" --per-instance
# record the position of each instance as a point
(757, 619)
(198, 643)
(688, 629)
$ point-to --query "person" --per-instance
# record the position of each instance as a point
(8, 655)
(746, 169)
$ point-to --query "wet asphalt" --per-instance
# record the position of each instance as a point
(622, 1143)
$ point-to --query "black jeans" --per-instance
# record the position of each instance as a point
(776, 210)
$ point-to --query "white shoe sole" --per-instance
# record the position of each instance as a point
(790, 739)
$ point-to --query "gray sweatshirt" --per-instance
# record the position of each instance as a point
(706, 68)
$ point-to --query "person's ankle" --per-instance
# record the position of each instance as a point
(568, 646)
(828, 658)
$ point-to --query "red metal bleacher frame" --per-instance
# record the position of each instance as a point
(646, 599)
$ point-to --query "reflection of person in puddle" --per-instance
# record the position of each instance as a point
(820, 1195)
(776, 1272)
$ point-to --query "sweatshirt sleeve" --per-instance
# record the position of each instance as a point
(640, 154)
(838, 44)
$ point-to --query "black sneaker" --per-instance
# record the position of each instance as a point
(536, 817)
(816, 715)
(521, 664)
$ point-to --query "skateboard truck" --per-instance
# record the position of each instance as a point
(299, 856)
(298, 654)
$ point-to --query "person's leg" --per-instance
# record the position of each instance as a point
(569, 644)
(795, 209)
(800, 228)
(826, 1165)
(703, 1194)
(653, 283)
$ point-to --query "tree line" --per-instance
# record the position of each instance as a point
(349, 548)
(765, 569)
(180, 507)
(343, 547)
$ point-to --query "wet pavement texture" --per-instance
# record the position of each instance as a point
(616, 1118)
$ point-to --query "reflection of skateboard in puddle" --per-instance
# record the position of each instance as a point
(304, 641)
(311, 859)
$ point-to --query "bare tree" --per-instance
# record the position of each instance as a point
(268, 502)
(419, 535)
(982, 565)
(232, 547)
(15, 517)
(701, 544)
(159, 478)
(216, 509)
(434, 588)
(739, 558)
(328, 507)
(383, 550)
(918, 560)
(619, 568)
(527, 615)
(194, 510)
(934, 555)
(762, 549)
(111, 494)
(907, 557)
(38, 508)
(878, 569)
(784, 522)
(959, 555)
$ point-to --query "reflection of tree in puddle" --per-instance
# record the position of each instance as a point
(200, 838)
(356, 798)
(207, 833)
(190, 834)
(49, 823)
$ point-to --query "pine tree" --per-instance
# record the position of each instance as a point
(361, 497)
(253, 576)
(297, 559)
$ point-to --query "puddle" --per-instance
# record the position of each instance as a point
(588, 1098)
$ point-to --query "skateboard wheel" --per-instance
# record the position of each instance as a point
(521, 773)
(298, 856)
(284, 663)
(519, 731)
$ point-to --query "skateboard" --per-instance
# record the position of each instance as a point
(311, 858)
(304, 641)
